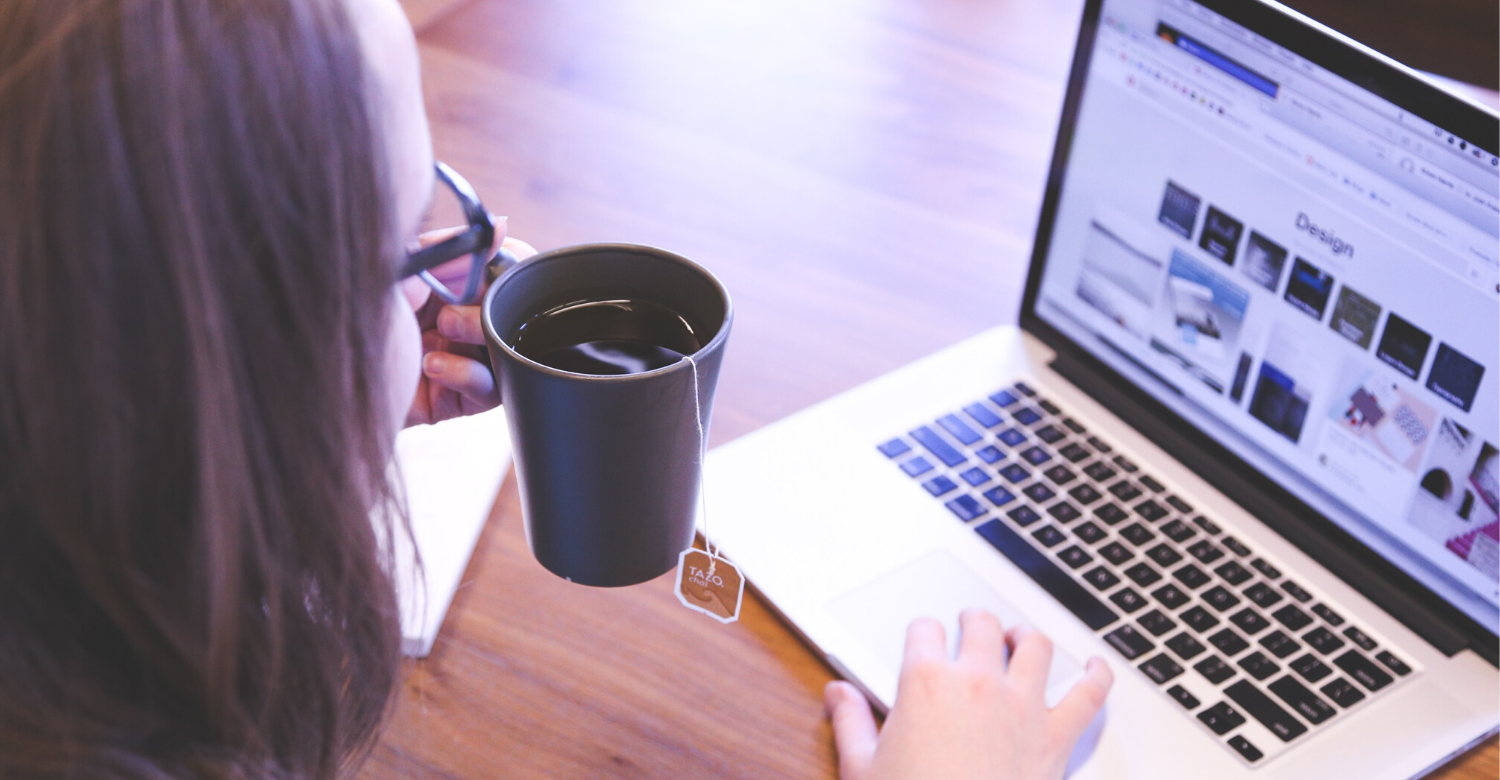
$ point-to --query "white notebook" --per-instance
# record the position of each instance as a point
(450, 473)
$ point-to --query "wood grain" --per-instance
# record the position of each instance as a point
(863, 176)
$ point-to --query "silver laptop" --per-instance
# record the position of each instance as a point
(1242, 443)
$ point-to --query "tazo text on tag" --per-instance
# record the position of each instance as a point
(710, 585)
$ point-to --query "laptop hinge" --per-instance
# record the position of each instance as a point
(1382, 582)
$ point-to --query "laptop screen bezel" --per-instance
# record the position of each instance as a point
(1396, 591)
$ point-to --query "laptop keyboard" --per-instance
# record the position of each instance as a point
(1254, 655)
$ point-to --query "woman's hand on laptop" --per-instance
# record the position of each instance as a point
(973, 717)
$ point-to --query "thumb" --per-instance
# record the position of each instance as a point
(854, 732)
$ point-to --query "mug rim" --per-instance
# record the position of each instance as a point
(493, 337)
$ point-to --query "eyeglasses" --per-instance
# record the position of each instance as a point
(474, 241)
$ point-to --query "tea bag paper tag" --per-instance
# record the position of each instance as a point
(709, 584)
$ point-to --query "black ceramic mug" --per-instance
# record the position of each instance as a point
(609, 466)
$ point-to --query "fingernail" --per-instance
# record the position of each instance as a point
(433, 364)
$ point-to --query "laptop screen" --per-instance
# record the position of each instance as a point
(1300, 267)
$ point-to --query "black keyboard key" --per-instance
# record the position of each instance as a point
(1122, 462)
(1323, 640)
(1064, 512)
(1048, 406)
(1249, 621)
(1178, 531)
(1093, 612)
(1085, 494)
(1099, 445)
(959, 429)
(1161, 668)
(1185, 646)
(1027, 416)
(1205, 551)
(1151, 483)
(989, 453)
(1142, 574)
(1163, 555)
(1220, 598)
(1245, 748)
(916, 466)
(1233, 573)
(1111, 514)
(1257, 665)
(1191, 576)
(1099, 471)
(1150, 510)
(1036, 455)
(1180, 695)
(1235, 546)
(1125, 491)
(1393, 663)
(1364, 671)
(1038, 492)
(1048, 536)
(1101, 578)
(983, 415)
(1295, 591)
(1060, 475)
(1358, 637)
(1131, 643)
(999, 496)
(1170, 596)
(1137, 534)
(1074, 556)
(975, 476)
(938, 446)
(1279, 644)
(1023, 389)
(1268, 712)
(1178, 504)
(1292, 617)
(1199, 619)
(1050, 434)
(939, 485)
(1329, 616)
(1089, 532)
(1074, 452)
(1128, 600)
(1116, 553)
(1304, 702)
(894, 448)
(1156, 622)
(1073, 425)
(1208, 526)
(1270, 572)
(1221, 718)
(1214, 669)
(966, 507)
(1014, 473)
(1004, 398)
(1013, 437)
(1263, 595)
(1023, 515)
(1342, 693)
(1311, 669)
(1228, 642)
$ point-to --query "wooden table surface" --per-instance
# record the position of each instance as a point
(864, 176)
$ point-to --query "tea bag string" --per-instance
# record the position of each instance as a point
(702, 449)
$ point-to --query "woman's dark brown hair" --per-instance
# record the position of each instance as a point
(196, 259)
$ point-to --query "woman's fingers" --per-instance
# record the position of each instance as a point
(461, 324)
(854, 730)
(981, 639)
(926, 641)
(1073, 714)
(1030, 658)
(469, 378)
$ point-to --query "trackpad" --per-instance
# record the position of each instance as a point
(938, 586)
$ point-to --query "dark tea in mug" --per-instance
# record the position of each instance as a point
(607, 338)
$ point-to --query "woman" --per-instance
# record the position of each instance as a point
(205, 354)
